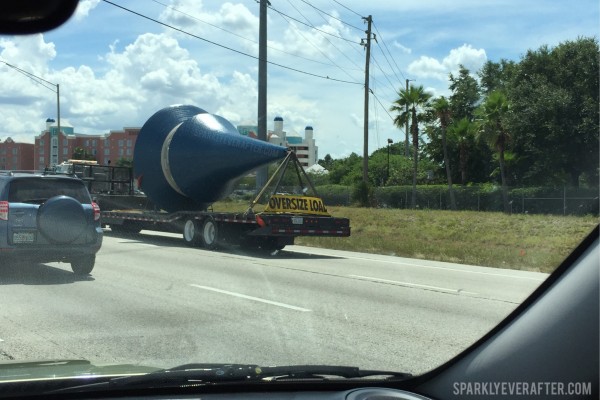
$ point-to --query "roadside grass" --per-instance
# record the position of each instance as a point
(518, 241)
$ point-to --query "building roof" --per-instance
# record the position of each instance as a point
(317, 169)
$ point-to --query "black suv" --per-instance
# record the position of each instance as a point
(47, 218)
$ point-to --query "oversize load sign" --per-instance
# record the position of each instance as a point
(296, 204)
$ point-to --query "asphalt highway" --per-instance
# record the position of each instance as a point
(153, 301)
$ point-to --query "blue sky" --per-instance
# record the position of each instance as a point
(116, 69)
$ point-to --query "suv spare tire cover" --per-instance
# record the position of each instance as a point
(61, 219)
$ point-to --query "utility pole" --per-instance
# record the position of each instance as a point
(261, 174)
(58, 106)
(406, 147)
(367, 45)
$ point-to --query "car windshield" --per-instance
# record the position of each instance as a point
(332, 183)
(28, 190)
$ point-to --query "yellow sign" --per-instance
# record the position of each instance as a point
(283, 203)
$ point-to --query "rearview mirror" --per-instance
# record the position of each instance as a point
(21, 17)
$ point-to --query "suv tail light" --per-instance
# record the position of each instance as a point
(96, 211)
(4, 210)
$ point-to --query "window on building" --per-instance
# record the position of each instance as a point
(106, 160)
(129, 142)
(128, 151)
(106, 152)
(121, 143)
(120, 152)
(94, 143)
(65, 151)
(42, 160)
(87, 142)
(14, 150)
(54, 142)
(41, 142)
(41, 150)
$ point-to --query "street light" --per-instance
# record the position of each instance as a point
(42, 82)
(387, 175)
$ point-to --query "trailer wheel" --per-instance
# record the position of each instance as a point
(191, 233)
(210, 233)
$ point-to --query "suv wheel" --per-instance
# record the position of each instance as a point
(83, 265)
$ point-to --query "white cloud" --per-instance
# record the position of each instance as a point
(84, 7)
(401, 47)
(428, 67)
(471, 58)
(191, 16)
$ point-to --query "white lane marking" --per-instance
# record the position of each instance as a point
(243, 296)
(415, 285)
(433, 267)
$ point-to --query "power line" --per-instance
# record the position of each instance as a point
(310, 26)
(332, 16)
(383, 72)
(226, 47)
(329, 41)
(386, 111)
(388, 50)
(35, 78)
(321, 51)
(327, 22)
(348, 8)
(239, 36)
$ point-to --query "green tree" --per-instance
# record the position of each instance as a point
(326, 162)
(79, 153)
(462, 132)
(492, 130)
(416, 99)
(465, 94)
(496, 75)
(441, 109)
(554, 98)
(124, 162)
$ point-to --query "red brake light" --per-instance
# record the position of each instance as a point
(4, 210)
(96, 211)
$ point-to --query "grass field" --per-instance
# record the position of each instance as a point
(518, 241)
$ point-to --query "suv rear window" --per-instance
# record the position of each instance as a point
(38, 190)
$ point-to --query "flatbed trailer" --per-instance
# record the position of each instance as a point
(208, 229)
(124, 209)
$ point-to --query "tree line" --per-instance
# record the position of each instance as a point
(528, 123)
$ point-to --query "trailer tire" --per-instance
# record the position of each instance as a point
(191, 233)
(210, 233)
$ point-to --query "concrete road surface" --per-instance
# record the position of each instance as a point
(153, 301)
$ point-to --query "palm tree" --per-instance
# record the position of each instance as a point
(441, 108)
(416, 99)
(462, 132)
(492, 113)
